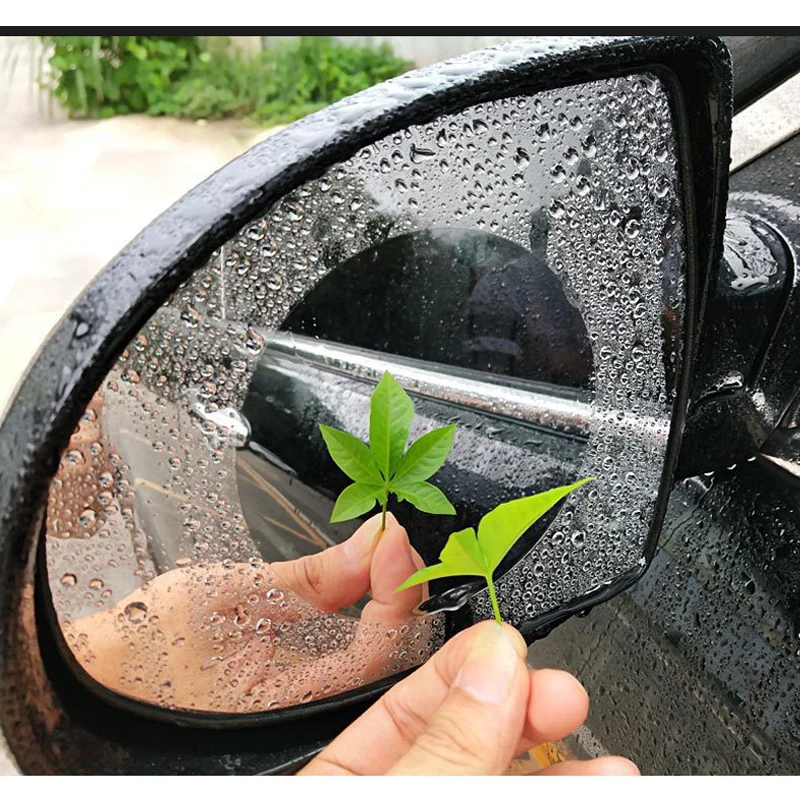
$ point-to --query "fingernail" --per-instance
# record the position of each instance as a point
(360, 545)
(490, 666)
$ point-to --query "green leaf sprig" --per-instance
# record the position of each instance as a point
(468, 553)
(385, 467)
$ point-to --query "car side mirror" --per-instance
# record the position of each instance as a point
(524, 236)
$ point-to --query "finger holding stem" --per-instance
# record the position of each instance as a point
(383, 516)
(493, 597)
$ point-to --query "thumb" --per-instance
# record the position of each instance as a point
(476, 729)
(337, 576)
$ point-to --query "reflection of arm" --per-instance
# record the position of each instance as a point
(194, 637)
(76, 487)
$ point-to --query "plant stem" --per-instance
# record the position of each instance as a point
(383, 516)
(493, 596)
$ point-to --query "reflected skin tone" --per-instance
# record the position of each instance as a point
(469, 710)
(210, 630)
(247, 637)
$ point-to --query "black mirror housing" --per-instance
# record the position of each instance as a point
(36, 685)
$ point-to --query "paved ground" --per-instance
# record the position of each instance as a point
(768, 121)
(72, 194)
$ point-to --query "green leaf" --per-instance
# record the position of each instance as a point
(137, 50)
(424, 496)
(463, 550)
(391, 412)
(460, 556)
(468, 553)
(430, 574)
(499, 530)
(351, 455)
(355, 500)
(212, 83)
(427, 454)
(382, 494)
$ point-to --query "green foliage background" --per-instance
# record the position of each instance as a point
(182, 76)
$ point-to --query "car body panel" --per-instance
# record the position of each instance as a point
(696, 669)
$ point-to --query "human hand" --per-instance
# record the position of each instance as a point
(469, 710)
(244, 637)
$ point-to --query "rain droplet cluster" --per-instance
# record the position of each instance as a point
(616, 240)
(149, 488)
(229, 637)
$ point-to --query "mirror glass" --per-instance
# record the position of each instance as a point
(518, 267)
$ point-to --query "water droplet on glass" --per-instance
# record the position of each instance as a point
(558, 173)
(578, 539)
(74, 457)
(136, 612)
(191, 316)
(632, 228)
(542, 132)
(420, 154)
(661, 187)
(274, 596)
(254, 341)
(263, 626)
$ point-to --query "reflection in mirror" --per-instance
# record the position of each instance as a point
(518, 267)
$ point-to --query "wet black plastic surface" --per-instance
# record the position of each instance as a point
(748, 370)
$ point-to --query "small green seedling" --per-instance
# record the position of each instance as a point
(385, 466)
(468, 553)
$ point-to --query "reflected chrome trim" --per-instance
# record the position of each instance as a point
(558, 408)
(792, 467)
(768, 122)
